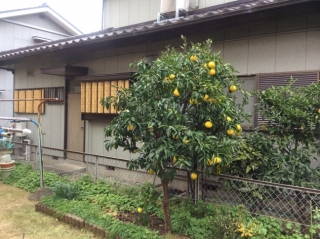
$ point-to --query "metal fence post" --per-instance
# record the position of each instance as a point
(96, 174)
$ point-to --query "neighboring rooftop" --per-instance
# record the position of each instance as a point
(223, 11)
(47, 11)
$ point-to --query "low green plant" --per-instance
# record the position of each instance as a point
(65, 190)
(26, 178)
(93, 214)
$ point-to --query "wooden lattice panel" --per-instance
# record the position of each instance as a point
(94, 97)
(88, 97)
(107, 92)
(29, 103)
(22, 104)
(38, 94)
(100, 96)
(83, 97)
(113, 93)
(92, 93)
(16, 103)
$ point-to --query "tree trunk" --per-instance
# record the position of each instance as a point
(165, 206)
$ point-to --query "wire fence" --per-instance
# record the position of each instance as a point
(287, 203)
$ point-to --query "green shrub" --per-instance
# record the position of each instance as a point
(65, 190)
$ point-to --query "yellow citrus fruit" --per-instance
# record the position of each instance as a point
(150, 171)
(175, 136)
(205, 97)
(239, 127)
(217, 160)
(172, 76)
(210, 162)
(230, 132)
(176, 92)
(193, 176)
(211, 65)
(165, 79)
(205, 65)
(212, 72)
(232, 88)
(318, 111)
(186, 141)
(139, 210)
(134, 151)
(193, 58)
(208, 124)
(130, 127)
(228, 118)
(174, 159)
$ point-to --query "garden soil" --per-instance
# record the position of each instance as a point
(18, 219)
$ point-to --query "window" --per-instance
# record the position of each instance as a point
(249, 85)
(54, 92)
(28, 101)
(92, 92)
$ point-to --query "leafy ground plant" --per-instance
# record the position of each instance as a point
(26, 178)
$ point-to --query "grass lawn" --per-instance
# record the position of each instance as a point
(18, 218)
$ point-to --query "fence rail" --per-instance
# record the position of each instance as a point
(285, 202)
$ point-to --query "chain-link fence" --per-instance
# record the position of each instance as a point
(288, 203)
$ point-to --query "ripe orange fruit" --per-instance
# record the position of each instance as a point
(130, 127)
(193, 58)
(212, 72)
(232, 88)
(172, 76)
(208, 124)
(230, 132)
(228, 118)
(176, 92)
(193, 176)
(139, 210)
(211, 65)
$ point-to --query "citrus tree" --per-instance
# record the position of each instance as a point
(182, 108)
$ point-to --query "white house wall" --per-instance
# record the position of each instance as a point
(120, 13)
(52, 120)
(279, 47)
(16, 36)
(40, 22)
(265, 54)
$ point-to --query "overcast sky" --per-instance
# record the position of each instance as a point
(83, 14)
